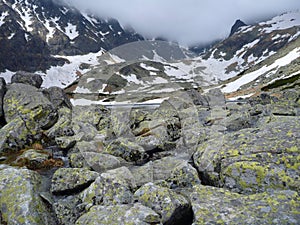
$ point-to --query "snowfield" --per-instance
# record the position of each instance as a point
(247, 78)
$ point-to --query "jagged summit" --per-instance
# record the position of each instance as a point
(31, 31)
(238, 23)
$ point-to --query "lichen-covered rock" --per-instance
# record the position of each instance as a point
(27, 78)
(96, 161)
(112, 187)
(20, 202)
(70, 180)
(127, 150)
(67, 142)
(28, 103)
(68, 210)
(170, 206)
(176, 172)
(218, 206)
(15, 135)
(63, 125)
(93, 114)
(253, 160)
(136, 214)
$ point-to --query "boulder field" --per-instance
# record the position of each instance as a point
(205, 161)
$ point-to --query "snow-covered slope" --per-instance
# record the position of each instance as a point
(32, 31)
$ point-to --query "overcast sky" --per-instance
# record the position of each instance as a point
(186, 21)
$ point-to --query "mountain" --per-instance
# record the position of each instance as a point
(255, 55)
(33, 31)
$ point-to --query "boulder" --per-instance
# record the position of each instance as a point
(71, 180)
(110, 188)
(57, 97)
(119, 215)
(29, 104)
(253, 160)
(16, 135)
(176, 172)
(126, 149)
(95, 161)
(63, 125)
(27, 78)
(68, 210)
(219, 206)
(20, 202)
(170, 206)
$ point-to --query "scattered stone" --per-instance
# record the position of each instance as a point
(20, 202)
(219, 206)
(28, 103)
(127, 150)
(57, 97)
(95, 161)
(119, 214)
(27, 78)
(71, 180)
(170, 206)
(253, 160)
(113, 187)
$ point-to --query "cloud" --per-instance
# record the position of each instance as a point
(186, 21)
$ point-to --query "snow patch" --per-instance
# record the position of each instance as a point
(62, 76)
(71, 31)
(146, 67)
(2, 17)
(132, 79)
(247, 78)
(282, 22)
(7, 75)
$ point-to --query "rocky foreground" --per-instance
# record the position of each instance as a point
(195, 159)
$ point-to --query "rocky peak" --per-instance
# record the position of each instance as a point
(238, 23)
(31, 31)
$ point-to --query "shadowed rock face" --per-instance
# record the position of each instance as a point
(54, 29)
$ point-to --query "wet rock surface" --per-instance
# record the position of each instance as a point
(181, 163)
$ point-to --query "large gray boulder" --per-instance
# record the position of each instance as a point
(27, 78)
(57, 97)
(28, 103)
(119, 215)
(219, 206)
(170, 206)
(253, 160)
(71, 180)
(110, 188)
(177, 173)
(20, 202)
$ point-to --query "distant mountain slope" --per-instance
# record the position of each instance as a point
(251, 58)
(31, 31)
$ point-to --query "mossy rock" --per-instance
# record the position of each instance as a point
(30, 104)
(253, 160)
(177, 173)
(95, 161)
(111, 188)
(20, 202)
(71, 180)
(120, 215)
(170, 206)
(219, 206)
(126, 149)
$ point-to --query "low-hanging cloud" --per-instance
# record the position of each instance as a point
(186, 21)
